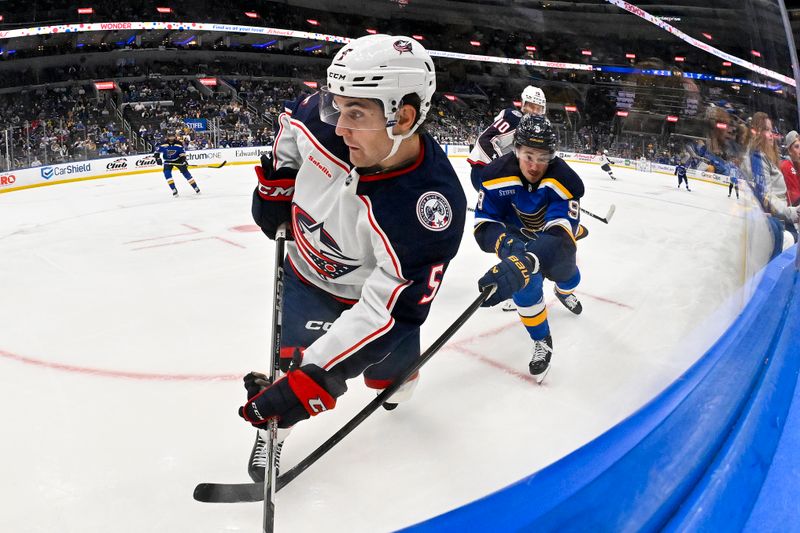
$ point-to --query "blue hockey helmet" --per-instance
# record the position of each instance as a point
(535, 131)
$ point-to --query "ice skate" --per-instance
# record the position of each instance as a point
(403, 394)
(570, 301)
(540, 362)
(258, 459)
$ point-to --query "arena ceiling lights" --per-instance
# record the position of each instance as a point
(279, 32)
(641, 13)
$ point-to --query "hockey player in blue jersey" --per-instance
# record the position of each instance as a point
(497, 139)
(171, 154)
(680, 171)
(376, 214)
(528, 213)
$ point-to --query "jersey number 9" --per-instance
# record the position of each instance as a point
(574, 209)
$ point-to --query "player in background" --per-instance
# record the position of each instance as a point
(733, 176)
(606, 165)
(498, 139)
(680, 171)
(174, 155)
(528, 213)
(376, 213)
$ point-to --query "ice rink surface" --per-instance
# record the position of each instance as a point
(127, 318)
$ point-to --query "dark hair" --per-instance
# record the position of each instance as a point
(414, 101)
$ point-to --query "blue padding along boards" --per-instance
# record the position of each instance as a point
(637, 475)
(777, 507)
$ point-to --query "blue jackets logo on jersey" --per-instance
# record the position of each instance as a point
(327, 259)
(433, 211)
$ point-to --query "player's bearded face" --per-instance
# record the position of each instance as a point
(362, 125)
(533, 162)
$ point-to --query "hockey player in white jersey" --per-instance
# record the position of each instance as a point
(376, 214)
(606, 163)
(498, 139)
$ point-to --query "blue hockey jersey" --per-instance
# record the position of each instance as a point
(547, 211)
(171, 152)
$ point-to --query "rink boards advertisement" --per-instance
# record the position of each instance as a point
(146, 163)
(121, 166)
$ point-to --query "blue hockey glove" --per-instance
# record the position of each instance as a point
(509, 243)
(510, 275)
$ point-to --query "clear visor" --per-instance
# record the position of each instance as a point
(351, 113)
(532, 108)
(533, 156)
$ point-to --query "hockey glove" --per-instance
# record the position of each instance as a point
(303, 393)
(157, 157)
(509, 243)
(510, 275)
(272, 199)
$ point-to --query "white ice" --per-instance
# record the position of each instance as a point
(127, 318)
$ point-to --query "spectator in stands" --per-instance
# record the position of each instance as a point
(761, 167)
(790, 168)
(715, 153)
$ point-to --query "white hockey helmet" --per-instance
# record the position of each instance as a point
(535, 96)
(384, 68)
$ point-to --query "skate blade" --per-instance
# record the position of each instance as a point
(543, 375)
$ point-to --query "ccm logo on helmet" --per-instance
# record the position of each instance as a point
(337, 76)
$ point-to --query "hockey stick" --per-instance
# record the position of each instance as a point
(605, 219)
(272, 439)
(219, 165)
(252, 492)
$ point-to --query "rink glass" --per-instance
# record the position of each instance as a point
(615, 82)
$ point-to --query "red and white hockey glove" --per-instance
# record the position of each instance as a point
(272, 198)
(301, 394)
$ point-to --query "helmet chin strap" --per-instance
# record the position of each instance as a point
(396, 141)
(391, 122)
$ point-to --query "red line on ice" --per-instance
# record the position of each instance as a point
(162, 237)
(171, 243)
(145, 376)
(500, 366)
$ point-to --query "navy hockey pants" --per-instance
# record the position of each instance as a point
(308, 313)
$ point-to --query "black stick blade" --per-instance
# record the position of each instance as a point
(229, 492)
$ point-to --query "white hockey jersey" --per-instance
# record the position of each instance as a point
(381, 241)
(496, 140)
